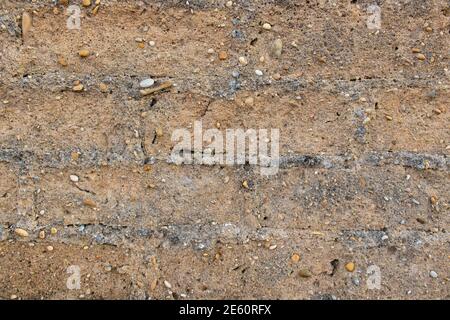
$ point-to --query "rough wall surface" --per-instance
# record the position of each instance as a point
(359, 208)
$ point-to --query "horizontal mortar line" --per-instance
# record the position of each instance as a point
(63, 81)
(203, 236)
(95, 158)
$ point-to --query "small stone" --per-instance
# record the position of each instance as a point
(355, 281)
(78, 88)
(433, 274)
(273, 247)
(147, 83)
(152, 43)
(350, 267)
(42, 234)
(86, 3)
(277, 48)
(49, 248)
(13, 297)
(21, 232)
(245, 184)
(63, 61)
(64, 2)
(304, 273)
(84, 53)
(223, 55)
(258, 72)
(276, 76)
(95, 10)
(235, 74)
(53, 231)
(89, 203)
(433, 200)
(249, 101)
(74, 178)
(420, 56)
(229, 4)
(75, 156)
(437, 111)
(267, 26)
(416, 50)
(159, 132)
(27, 22)
(103, 87)
(167, 284)
(389, 118)
(154, 284)
(421, 220)
(295, 257)
(243, 61)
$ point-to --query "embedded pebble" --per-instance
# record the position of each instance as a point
(26, 23)
(267, 26)
(304, 273)
(147, 83)
(167, 284)
(84, 53)
(243, 61)
(295, 257)
(433, 274)
(89, 203)
(223, 55)
(277, 48)
(249, 101)
(21, 232)
(258, 72)
(78, 88)
(74, 178)
(420, 56)
(350, 267)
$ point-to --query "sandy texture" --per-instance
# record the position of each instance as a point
(364, 123)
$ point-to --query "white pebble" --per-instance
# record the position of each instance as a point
(258, 72)
(433, 274)
(152, 43)
(267, 26)
(243, 61)
(147, 83)
(167, 284)
(74, 178)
